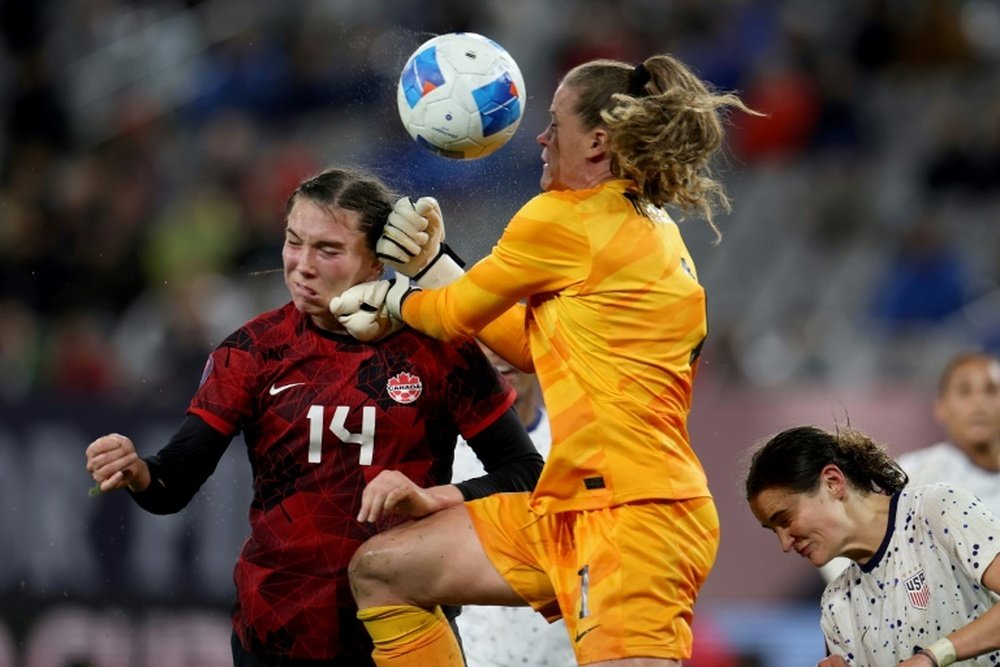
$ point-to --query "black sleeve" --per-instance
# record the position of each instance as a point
(179, 469)
(511, 461)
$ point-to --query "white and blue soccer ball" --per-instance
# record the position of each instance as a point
(461, 95)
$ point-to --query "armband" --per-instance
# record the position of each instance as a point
(941, 652)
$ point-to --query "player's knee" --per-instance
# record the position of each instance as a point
(369, 569)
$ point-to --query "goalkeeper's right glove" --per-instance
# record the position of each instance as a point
(413, 244)
(370, 311)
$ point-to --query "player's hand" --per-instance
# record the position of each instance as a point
(361, 310)
(369, 311)
(918, 660)
(114, 464)
(413, 235)
(832, 661)
(392, 492)
(412, 243)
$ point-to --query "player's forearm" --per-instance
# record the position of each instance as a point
(507, 337)
(979, 636)
(178, 470)
(457, 311)
(511, 461)
(520, 474)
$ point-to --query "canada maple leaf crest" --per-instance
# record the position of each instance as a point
(404, 387)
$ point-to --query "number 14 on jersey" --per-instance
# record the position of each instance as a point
(366, 438)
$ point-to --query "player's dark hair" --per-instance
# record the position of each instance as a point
(352, 190)
(961, 359)
(664, 126)
(793, 459)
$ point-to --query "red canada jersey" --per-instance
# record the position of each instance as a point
(321, 415)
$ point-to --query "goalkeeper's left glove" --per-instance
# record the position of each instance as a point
(413, 244)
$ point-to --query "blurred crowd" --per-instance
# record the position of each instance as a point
(149, 145)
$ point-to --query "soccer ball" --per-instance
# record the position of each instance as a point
(461, 95)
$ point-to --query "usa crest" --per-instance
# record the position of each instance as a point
(404, 388)
(917, 590)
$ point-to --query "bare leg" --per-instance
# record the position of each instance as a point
(436, 560)
(401, 576)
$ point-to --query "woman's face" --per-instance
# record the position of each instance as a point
(324, 254)
(969, 404)
(566, 145)
(811, 524)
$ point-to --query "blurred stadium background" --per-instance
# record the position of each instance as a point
(147, 149)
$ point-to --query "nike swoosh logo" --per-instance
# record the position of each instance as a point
(580, 635)
(275, 389)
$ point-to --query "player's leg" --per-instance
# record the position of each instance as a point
(401, 576)
(628, 587)
(436, 560)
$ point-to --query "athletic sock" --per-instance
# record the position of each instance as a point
(406, 636)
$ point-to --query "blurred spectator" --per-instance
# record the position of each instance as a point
(791, 107)
(248, 72)
(79, 360)
(36, 112)
(198, 233)
(103, 201)
(838, 124)
(166, 335)
(967, 407)
(20, 354)
(924, 283)
(27, 237)
(876, 40)
(960, 160)
(599, 32)
(933, 35)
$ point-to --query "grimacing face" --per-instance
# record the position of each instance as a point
(565, 144)
(324, 253)
(810, 524)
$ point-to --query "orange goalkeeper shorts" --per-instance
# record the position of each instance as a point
(625, 578)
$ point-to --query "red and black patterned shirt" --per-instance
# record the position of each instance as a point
(321, 415)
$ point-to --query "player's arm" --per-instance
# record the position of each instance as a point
(543, 250)
(507, 337)
(509, 457)
(975, 546)
(179, 469)
(979, 636)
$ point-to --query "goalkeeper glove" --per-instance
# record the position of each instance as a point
(413, 244)
(370, 311)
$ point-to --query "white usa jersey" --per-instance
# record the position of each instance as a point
(510, 636)
(922, 584)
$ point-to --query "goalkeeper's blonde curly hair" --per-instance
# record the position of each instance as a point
(665, 126)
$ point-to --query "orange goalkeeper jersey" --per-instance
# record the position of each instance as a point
(614, 319)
